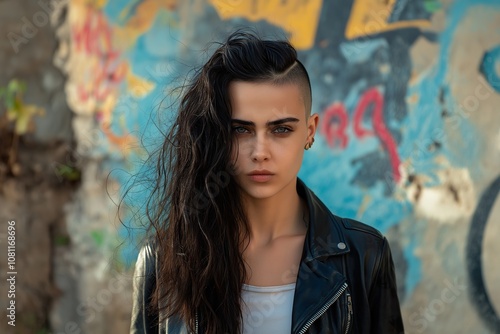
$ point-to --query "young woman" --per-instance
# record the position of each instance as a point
(239, 243)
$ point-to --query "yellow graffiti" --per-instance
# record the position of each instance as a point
(144, 14)
(297, 17)
(137, 86)
(96, 4)
(370, 17)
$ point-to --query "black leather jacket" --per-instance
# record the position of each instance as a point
(345, 284)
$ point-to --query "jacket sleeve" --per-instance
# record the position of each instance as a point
(385, 311)
(144, 282)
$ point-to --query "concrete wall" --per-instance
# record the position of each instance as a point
(409, 136)
(33, 199)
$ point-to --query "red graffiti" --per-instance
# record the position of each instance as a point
(94, 38)
(334, 125)
(104, 71)
(335, 131)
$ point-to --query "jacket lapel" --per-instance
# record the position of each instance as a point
(317, 281)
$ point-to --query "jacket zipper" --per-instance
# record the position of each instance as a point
(196, 325)
(349, 314)
(323, 309)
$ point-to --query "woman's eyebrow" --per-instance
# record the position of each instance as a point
(270, 123)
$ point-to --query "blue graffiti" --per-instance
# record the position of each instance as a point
(489, 66)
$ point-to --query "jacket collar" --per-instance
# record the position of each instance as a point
(318, 280)
(324, 235)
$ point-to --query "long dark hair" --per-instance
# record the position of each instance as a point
(195, 211)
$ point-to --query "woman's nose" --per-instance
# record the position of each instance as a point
(260, 150)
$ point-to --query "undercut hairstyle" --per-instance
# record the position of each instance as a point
(197, 221)
(296, 74)
(274, 62)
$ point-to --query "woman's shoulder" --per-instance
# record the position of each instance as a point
(359, 235)
(147, 257)
(363, 238)
(358, 227)
(326, 222)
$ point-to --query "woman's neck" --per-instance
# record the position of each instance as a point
(282, 215)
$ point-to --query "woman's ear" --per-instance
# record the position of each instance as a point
(312, 125)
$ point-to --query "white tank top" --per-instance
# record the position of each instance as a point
(267, 309)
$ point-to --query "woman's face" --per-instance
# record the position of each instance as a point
(270, 131)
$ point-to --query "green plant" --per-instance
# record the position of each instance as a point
(18, 116)
(68, 172)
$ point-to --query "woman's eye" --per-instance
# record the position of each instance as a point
(239, 129)
(282, 129)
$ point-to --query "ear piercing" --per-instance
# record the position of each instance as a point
(309, 144)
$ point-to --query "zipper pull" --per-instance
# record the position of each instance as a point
(349, 313)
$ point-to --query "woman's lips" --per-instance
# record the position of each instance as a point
(260, 177)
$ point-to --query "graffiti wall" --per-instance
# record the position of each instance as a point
(409, 136)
